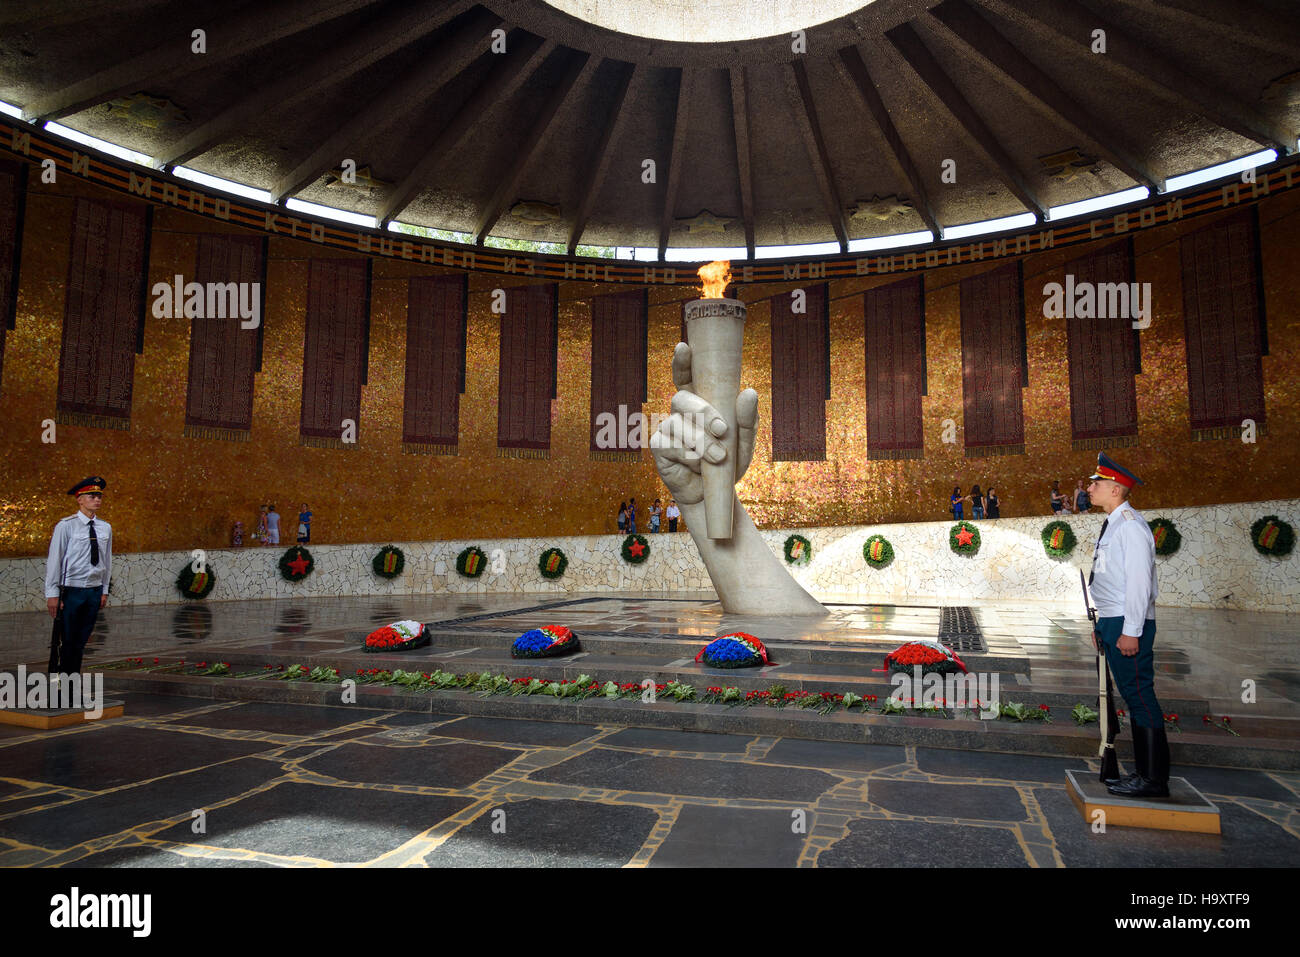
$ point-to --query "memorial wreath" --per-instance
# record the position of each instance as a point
(388, 562)
(552, 563)
(798, 550)
(635, 549)
(296, 564)
(471, 562)
(1272, 536)
(194, 584)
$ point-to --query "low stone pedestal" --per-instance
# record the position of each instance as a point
(1186, 809)
(46, 719)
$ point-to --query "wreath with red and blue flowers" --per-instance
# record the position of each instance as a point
(550, 641)
(736, 650)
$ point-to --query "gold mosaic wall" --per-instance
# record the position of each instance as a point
(166, 491)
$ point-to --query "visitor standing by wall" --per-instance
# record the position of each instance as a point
(622, 518)
(304, 524)
(976, 502)
(954, 503)
(656, 513)
(1058, 498)
(991, 503)
(77, 573)
(673, 514)
(631, 516)
(273, 525)
(263, 533)
(1081, 501)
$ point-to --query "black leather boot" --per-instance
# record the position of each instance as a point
(1151, 755)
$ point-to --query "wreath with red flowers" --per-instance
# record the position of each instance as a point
(399, 636)
(296, 564)
(964, 538)
(196, 585)
(635, 549)
(940, 660)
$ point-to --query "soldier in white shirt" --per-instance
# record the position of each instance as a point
(77, 572)
(1123, 586)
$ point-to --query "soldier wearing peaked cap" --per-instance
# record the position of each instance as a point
(77, 574)
(1123, 584)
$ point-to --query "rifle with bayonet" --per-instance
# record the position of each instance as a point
(1105, 698)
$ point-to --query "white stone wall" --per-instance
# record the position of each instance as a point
(1216, 559)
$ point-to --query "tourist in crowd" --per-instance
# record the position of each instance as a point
(622, 518)
(991, 503)
(304, 524)
(631, 516)
(1081, 501)
(673, 513)
(273, 525)
(656, 513)
(1059, 499)
(976, 502)
(263, 533)
(955, 502)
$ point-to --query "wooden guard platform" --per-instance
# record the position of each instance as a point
(1186, 809)
(47, 719)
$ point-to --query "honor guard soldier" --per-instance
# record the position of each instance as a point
(77, 573)
(1123, 584)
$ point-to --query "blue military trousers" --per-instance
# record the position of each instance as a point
(80, 609)
(1135, 676)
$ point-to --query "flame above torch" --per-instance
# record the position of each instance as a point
(716, 275)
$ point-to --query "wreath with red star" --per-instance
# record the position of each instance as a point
(296, 564)
(964, 538)
(635, 549)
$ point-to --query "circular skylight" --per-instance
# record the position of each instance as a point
(707, 21)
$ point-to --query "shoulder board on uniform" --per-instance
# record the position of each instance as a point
(1130, 515)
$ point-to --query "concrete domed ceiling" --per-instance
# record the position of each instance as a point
(902, 115)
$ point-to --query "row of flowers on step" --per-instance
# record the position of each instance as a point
(584, 686)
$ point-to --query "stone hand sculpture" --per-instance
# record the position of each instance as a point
(749, 577)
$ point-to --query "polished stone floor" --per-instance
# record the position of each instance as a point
(200, 782)
(186, 782)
